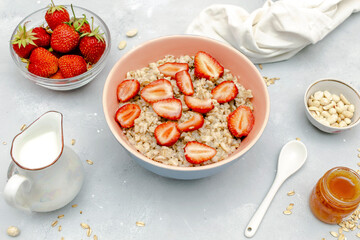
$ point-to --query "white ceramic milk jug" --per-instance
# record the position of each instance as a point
(44, 175)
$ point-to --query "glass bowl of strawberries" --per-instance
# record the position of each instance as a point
(60, 47)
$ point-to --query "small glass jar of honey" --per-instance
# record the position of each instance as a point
(336, 195)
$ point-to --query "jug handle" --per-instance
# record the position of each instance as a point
(12, 189)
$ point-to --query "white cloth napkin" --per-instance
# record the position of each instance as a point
(275, 32)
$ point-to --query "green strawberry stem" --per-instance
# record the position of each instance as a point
(94, 33)
(23, 37)
(77, 24)
(53, 7)
(72, 9)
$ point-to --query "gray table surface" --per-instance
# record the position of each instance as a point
(117, 192)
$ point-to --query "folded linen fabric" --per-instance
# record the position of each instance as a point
(275, 32)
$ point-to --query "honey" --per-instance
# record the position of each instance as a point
(336, 195)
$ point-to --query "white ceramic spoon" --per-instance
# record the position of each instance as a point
(292, 157)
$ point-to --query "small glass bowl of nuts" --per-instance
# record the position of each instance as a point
(332, 105)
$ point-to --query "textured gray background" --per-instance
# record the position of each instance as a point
(117, 192)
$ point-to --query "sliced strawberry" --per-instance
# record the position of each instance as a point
(207, 67)
(241, 121)
(127, 114)
(166, 134)
(157, 90)
(194, 123)
(197, 153)
(184, 83)
(199, 105)
(168, 108)
(170, 69)
(127, 89)
(225, 92)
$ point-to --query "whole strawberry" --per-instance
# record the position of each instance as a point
(56, 15)
(64, 38)
(92, 46)
(23, 42)
(43, 38)
(57, 75)
(72, 65)
(80, 25)
(42, 62)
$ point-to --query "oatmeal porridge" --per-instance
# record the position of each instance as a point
(213, 132)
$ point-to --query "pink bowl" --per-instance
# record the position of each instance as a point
(154, 50)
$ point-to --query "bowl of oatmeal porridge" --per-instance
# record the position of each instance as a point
(185, 107)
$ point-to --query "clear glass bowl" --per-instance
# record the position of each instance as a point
(38, 18)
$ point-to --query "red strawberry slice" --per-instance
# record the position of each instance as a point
(197, 153)
(225, 92)
(241, 121)
(157, 90)
(170, 69)
(207, 67)
(127, 89)
(199, 105)
(127, 114)
(168, 108)
(194, 123)
(184, 83)
(166, 134)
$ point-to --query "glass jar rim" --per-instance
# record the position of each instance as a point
(330, 197)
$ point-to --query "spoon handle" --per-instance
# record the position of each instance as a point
(255, 221)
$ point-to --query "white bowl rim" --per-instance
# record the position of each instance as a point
(338, 81)
(179, 168)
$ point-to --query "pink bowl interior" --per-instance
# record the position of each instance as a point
(154, 50)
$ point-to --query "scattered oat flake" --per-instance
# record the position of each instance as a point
(359, 155)
(4, 143)
(260, 66)
(140, 224)
(291, 206)
(13, 231)
(54, 223)
(341, 237)
(80, 212)
(59, 229)
(61, 216)
(358, 164)
(132, 32)
(23, 127)
(88, 232)
(90, 162)
(73, 141)
(358, 149)
(358, 235)
(84, 226)
(270, 81)
(62, 238)
(334, 234)
(95, 237)
(122, 45)
(291, 193)
(298, 139)
(74, 206)
(287, 212)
